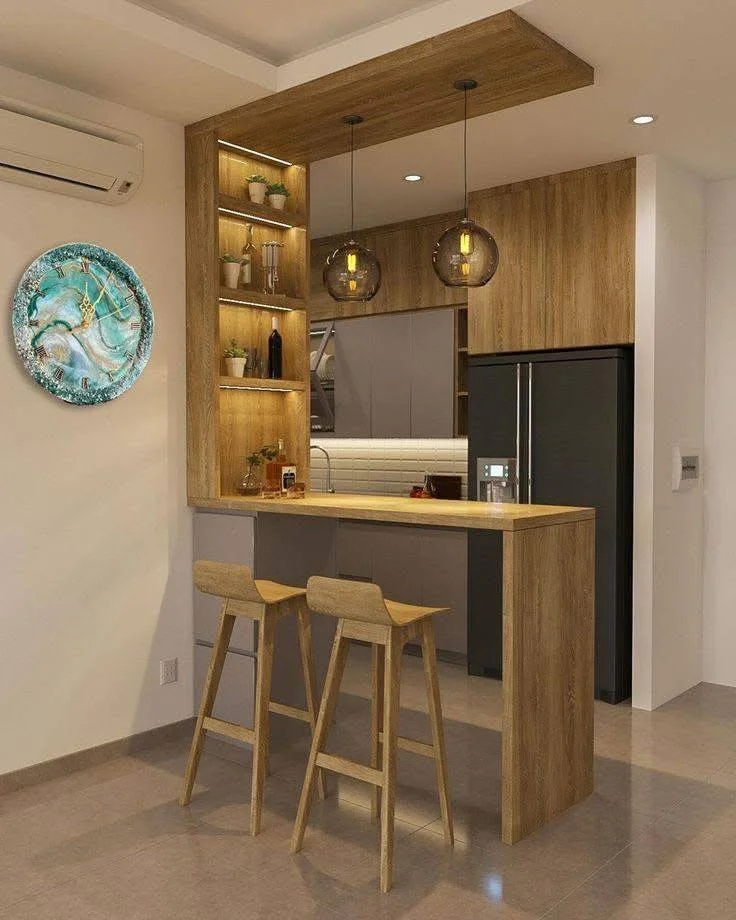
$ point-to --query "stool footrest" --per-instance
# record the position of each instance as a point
(350, 768)
(291, 712)
(416, 747)
(230, 729)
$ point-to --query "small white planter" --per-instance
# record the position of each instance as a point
(277, 201)
(257, 191)
(235, 367)
(232, 273)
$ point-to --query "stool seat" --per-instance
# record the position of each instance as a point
(274, 593)
(404, 614)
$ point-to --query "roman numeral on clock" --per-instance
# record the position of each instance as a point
(130, 298)
(135, 325)
(130, 354)
(58, 374)
(59, 269)
(33, 323)
(85, 265)
(41, 352)
(85, 383)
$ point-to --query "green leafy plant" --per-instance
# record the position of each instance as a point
(229, 257)
(277, 188)
(234, 350)
(257, 177)
(256, 459)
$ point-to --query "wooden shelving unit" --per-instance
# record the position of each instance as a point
(461, 372)
(230, 417)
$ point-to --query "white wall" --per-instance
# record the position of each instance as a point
(719, 593)
(669, 411)
(95, 535)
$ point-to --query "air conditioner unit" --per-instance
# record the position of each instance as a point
(67, 155)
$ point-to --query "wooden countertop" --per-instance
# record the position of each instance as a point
(422, 512)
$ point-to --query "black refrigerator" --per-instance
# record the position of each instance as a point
(566, 419)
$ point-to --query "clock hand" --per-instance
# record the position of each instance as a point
(107, 281)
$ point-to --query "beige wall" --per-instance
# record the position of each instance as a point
(719, 595)
(669, 412)
(95, 535)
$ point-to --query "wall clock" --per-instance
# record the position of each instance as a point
(83, 323)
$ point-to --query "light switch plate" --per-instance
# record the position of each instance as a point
(169, 670)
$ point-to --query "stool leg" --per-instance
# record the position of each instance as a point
(310, 681)
(429, 655)
(377, 661)
(392, 690)
(212, 681)
(263, 698)
(335, 669)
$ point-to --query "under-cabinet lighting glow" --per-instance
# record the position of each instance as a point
(643, 119)
(260, 220)
(413, 177)
(254, 303)
(255, 153)
(224, 386)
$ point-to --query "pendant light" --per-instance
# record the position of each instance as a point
(352, 272)
(466, 255)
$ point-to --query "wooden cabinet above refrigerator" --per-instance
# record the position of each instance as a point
(566, 274)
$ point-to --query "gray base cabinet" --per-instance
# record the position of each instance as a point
(415, 565)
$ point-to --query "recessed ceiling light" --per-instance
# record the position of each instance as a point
(413, 177)
(643, 119)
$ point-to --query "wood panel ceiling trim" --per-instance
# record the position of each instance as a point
(407, 91)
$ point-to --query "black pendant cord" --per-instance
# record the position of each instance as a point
(352, 179)
(465, 151)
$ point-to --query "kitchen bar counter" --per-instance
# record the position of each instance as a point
(423, 512)
(548, 580)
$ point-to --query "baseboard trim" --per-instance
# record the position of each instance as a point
(80, 760)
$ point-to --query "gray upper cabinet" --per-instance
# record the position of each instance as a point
(394, 375)
(353, 370)
(432, 372)
(391, 392)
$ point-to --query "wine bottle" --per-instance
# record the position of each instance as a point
(275, 366)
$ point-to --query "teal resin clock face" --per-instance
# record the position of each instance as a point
(83, 323)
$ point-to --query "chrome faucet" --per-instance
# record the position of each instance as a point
(328, 484)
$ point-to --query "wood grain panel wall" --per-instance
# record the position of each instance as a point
(566, 275)
(408, 280)
(203, 283)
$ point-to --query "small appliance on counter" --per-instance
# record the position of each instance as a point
(439, 485)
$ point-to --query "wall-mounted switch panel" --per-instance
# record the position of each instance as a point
(685, 469)
(169, 670)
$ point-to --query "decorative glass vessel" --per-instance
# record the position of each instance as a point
(466, 255)
(352, 273)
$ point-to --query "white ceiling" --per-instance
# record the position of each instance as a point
(663, 56)
(281, 30)
(673, 57)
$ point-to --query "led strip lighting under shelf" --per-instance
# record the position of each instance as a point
(255, 303)
(261, 220)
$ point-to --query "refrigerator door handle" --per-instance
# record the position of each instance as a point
(518, 433)
(529, 445)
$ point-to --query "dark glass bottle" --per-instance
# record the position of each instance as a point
(275, 367)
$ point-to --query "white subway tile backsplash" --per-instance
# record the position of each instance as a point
(388, 467)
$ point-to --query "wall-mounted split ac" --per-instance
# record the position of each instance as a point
(62, 154)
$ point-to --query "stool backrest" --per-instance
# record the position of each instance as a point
(352, 600)
(226, 579)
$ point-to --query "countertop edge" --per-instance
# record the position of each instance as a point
(391, 516)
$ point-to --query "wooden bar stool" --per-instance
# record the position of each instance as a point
(364, 614)
(265, 602)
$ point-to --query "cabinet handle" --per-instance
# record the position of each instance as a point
(517, 473)
(529, 446)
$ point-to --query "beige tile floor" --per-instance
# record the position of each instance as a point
(657, 840)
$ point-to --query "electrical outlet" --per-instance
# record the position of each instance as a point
(169, 670)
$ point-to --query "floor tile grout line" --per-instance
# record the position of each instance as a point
(585, 881)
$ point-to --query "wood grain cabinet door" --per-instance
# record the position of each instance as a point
(508, 313)
(589, 256)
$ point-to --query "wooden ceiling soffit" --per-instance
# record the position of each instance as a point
(407, 91)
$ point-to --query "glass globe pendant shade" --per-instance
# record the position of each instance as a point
(352, 273)
(466, 255)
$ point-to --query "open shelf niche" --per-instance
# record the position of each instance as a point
(461, 372)
(233, 417)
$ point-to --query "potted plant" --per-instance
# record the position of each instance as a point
(257, 186)
(231, 267)
(277, 195)
(252, 482)
(235, 359)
